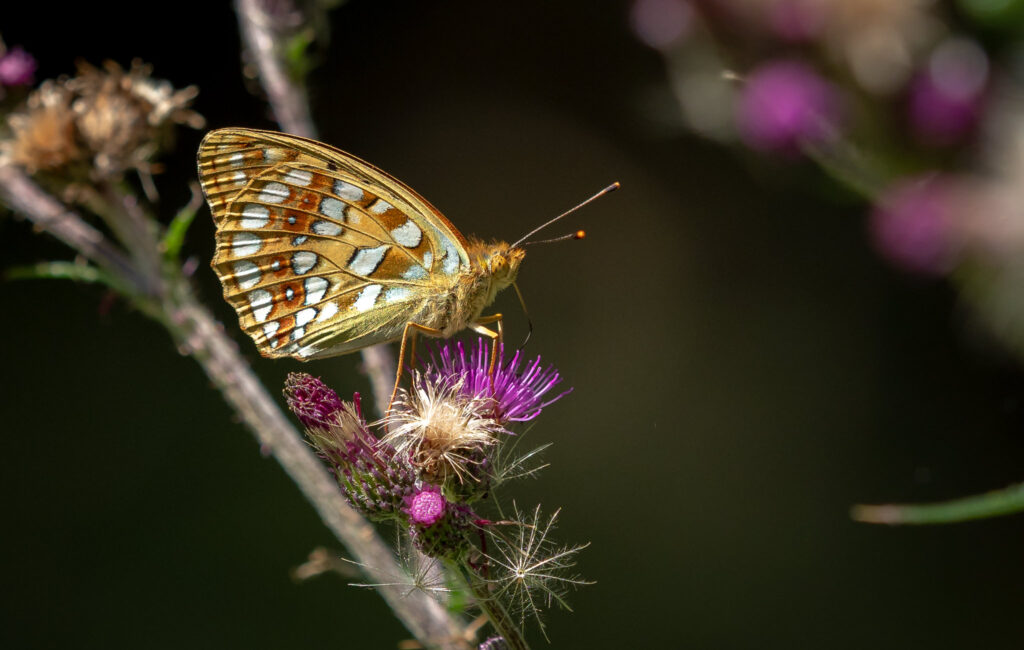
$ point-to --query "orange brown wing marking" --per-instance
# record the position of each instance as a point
(292, 218)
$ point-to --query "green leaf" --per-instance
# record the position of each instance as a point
(459, 596)
(296, 54)
(174, 238)
(91, 275)
(1007, 501)
(64, 271)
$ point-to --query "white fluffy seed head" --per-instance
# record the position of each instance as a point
(441, 430)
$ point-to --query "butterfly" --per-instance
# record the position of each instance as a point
(321, 253)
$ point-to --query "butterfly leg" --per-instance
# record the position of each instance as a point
(496, 339)
(408, 342)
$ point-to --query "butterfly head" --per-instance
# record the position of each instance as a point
(497, 265)
(501, 263)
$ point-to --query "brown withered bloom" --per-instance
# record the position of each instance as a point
(43, 137)
(110, 118)
(442, 431)
(121, 114)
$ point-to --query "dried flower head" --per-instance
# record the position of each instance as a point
(121, 114)
(530, 571)
(112, 118)
(43, 136)
(440, 429)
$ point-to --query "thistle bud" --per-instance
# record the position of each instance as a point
(437, 526)
(374, 478)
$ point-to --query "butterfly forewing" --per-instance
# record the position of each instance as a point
(319, 252)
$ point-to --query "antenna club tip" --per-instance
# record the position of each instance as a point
(614, 186)
(580, 234)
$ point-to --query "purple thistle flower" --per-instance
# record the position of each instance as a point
(519, 388)
(17, 68)
(494, 643)
(437, 526)
(785, 104)
(945, 100)
(311, 400)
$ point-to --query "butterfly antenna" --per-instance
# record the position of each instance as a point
(579, 234)
(610, 188)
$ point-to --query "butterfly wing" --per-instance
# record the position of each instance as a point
(319, 252)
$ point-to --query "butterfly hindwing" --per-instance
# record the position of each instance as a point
(319, 252)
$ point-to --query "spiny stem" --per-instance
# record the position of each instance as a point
(495, 611)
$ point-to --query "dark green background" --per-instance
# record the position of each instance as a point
(745, 368)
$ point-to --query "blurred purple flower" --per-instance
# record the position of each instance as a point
(945, 99)
(796, 20)
(519, 393)
(912, 225)
(17, 68)
(661, 23)
(784, 104)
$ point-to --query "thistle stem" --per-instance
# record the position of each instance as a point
(500, 619)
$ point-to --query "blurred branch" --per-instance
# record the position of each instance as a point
(23, 196)
(1007, 501)
(288, 100)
